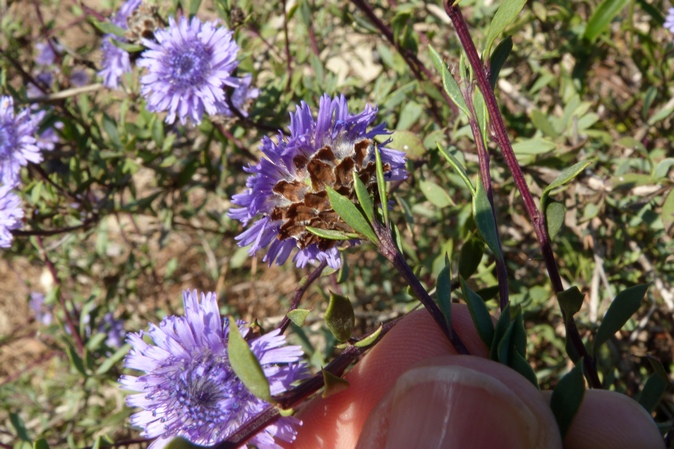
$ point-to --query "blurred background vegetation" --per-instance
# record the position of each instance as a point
(127, 211)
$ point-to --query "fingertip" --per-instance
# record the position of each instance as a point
(611, 420)
(336, 422)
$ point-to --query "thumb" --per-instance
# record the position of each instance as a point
(451, 402)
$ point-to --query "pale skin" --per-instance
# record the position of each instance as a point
(413, 391)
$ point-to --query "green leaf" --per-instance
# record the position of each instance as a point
(625, 304)
(448, 82)
(458, 167)
(498, 59)
(181, 443)
(409, 115)
(520, 364)
(339, 317)
(367, 341)
(332, 234)
(470, 257)
(113, 359)
(567, 398)
(381, 185)
(565, 176)
(76, 360)
(19, 427)
(505, 15)
(245, 365)
(343, 274)
(502, 325)
(435, 194)
(363, 197)
(108, 28)
(350, 214)
(661, 114)
(541, 122)
(484, 219)
(40, 443)
(653, 390)
(129, 48)
(444, 290)
(409, 142)
(479, 313)
(602, 17)
(333, 384)
(667, 212)
(554, 218)
(298, 316)
(570, 300)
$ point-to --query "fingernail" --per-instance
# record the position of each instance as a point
(453, 407)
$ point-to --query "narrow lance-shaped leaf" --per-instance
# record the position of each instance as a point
(363, 197)
(381, 185)
(448, 82)
(339, 317)
(484, 219)
(108, 28)
(333, 384)
(470, 257)
(444, 290)
(298, 316)
(567, 397)
(367, 341)
(245, 365)
(565, 176)
(625, 304)
(505, 15)
(498, 59)
(458, 167)
(602, 17)
(350, 214)
(332, 234)
(655, 386)
(479, 313)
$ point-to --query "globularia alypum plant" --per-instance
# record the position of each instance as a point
(132, 171)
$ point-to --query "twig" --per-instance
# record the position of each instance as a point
(389, 250)
(537, 219)
(485, 177)
(418, 68)
(69, 320)
(63, 94)
(301, 290)
(294, 396)
(289, 67)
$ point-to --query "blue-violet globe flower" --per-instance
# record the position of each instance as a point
(286, 190)
(17, 141)
(189, 389)
(10, 215)
(116, 61)
(669, 21)
(187, 68)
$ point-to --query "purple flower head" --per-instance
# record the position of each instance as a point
(287, 188)
(45, 79)
(116, 62)
(189, 388)
(187, 68)
(17, 144)
(79, 78)
(47, 139)
(42, 313)
(45, 53)
(240, 97)
(10, 215)
(669, 21)
(114, 328)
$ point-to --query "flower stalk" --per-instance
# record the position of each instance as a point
(500, 135)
